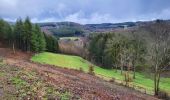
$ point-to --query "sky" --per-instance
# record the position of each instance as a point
(85, 11)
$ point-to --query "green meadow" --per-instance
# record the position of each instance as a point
(75, 62)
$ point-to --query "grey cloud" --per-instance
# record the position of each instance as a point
(85, 11)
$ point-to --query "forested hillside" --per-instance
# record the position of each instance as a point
(63, 29)
(26, 36)
(144, 49)
(132, 55)
(85, 50)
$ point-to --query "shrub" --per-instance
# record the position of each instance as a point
(81, 69)
(112, 80)
(91, 70)
(128, 78)
(66, 96)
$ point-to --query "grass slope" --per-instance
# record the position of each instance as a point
(75, 62)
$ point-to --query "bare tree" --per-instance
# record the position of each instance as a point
(117, 49)
(160, 50)
(113, 49)
(138, 50)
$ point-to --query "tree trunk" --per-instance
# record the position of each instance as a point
(156, 80)
(134, 70)
(121, 66)
(116, 68)
(125, 77)
(155, 86)
(121, 70)
(13, 47)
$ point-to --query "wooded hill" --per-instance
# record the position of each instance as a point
(144, 49)
(65, 29)
(26, 36)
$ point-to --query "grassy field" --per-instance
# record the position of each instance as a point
(75, 62)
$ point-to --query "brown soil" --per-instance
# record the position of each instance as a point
(80, 84)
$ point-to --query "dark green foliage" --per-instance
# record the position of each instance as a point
(108, 49)
(52, 43)
(27, 37)
(97, 47)
(66, 31)
(91, 70)
(18, 35)
(27, 34)
(38, 42)
(2, 24)
(42, 42)
(5, 30)
(34, 40)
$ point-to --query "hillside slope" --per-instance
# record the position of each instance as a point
(80, 85)
(75, 62)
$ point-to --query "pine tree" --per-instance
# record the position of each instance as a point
(18, 34)
(52, 43)
(27, 37)
(28, 32)
(41, 39)
(34, 40)
(5, 31)
(1, 28)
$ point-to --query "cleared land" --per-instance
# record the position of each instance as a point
(75, 62)
(20, 84)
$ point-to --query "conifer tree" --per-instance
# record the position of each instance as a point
(34, 40)
(28, 32)
(41, 39)
(18, 34)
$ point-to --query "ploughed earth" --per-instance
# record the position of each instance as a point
(22, 79)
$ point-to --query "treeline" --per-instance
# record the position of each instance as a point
(112, 49)
(146, 48)
(26, 36)
(117, 51)
(67, 31)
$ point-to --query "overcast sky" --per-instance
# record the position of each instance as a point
(85, 11)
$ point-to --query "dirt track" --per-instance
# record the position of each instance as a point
(82, 85)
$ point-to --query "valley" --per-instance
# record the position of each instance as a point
(71, 61)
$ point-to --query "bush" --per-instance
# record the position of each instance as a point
(128, 78)
(91, 70)
(112, 80)
(81, 69)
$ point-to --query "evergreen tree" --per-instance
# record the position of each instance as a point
(41, 39)
(34, 40)
(28, 32)
(52, 43)
(1, 28)
(5, 29)
(18, 34)
(27, 37)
